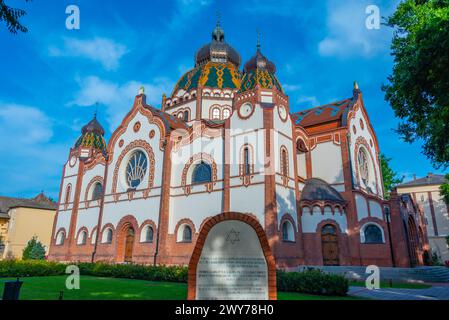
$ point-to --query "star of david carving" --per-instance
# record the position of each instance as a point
(233, 236)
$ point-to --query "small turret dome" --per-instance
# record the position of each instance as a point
(92, 136)
(259, 71)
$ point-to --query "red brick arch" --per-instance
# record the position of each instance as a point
(226, 216)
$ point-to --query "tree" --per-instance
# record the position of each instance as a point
(418, 89)
(444, 190)
(34, 250)
(11, 16)
(390, 178)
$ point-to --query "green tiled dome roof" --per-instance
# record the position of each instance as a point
(212, 75)
(92, 136)
(263, 78)
(91, 139)
(259, 71)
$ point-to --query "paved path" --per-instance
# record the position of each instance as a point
(434, 293)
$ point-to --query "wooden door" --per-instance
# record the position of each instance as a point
(329, 244)
(129, 245)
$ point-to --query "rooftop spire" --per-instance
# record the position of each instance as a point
(258, 40)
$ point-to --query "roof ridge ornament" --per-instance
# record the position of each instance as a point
(141, 90)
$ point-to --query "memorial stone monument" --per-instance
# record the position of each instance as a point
(232, 261)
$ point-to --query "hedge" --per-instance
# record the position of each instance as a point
(312, 281)
(309, 281)
(30, 268)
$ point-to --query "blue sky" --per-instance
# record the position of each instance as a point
(51, 77)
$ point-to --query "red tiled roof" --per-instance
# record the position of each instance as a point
(321, 114)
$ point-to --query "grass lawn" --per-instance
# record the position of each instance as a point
(398, 285)
(96, 288)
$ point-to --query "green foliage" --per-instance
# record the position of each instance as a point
(444, 190)
(418, 89)
(390, 178)
(30, 268)
(312, 282)
(11, 16)
(36, 268)
(34, 250)
(436, 260)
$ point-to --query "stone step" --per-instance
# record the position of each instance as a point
(423, 274)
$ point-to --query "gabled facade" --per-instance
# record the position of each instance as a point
(226, 140)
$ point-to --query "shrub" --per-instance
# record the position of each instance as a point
(36, 268)
(34, 250)
(312, 282)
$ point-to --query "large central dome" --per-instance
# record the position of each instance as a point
(216, 66)
(217, 50)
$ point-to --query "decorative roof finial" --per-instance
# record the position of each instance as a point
(218, 18)
(258, 40)
(96, 110)
(356, 85)
(142, 90)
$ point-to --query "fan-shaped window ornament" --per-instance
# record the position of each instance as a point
(202, 173)
(363, 165)
(136, 169)
(97, 193)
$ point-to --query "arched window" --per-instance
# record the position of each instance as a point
(373, 234)
(363, 164)
(93, 237)
(202, 173)
(82, 238)
(68, 190)
(107, 236)
(287, 231)
(136, 168)
(97, 192)
(187, 234)
(147, 234)
(226, 113)
(328, 229)
(180, 115)
(215, 113)
(184, 233)
(60, 237)
(186, 116)
(284, 162)
(246, 162)
(301, 146)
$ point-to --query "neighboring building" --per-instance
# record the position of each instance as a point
(21, 219)
(426, 193)
(226, 140)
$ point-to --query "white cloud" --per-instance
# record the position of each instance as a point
(348, 35)
(291, 87)
(31, 162)
(118, 98)
(307, 101)
(23, 125)
(103, 50)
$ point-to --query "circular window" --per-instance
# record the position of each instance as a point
(363, 165)
(246, 110)
(362, 125)
(136, 168)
